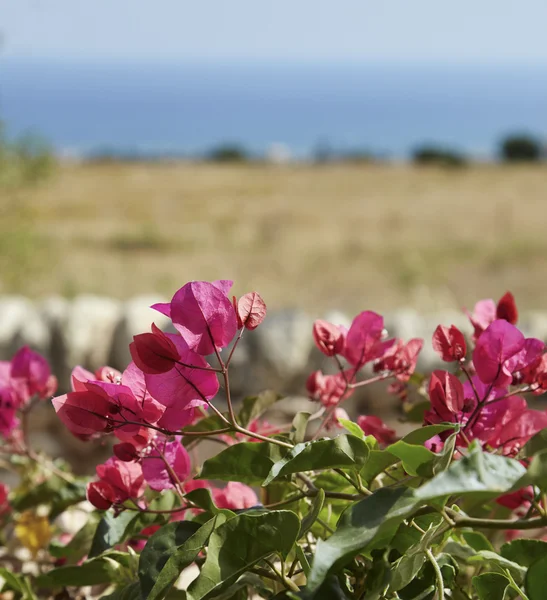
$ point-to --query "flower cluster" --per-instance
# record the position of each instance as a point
(364, 343)
(332, 499)
(169, 384)
(25, 377)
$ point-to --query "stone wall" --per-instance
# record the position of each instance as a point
(93, 331)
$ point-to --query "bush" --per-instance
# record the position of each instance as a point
(25, 161)
(434, 155)
(228, 153)
(358, 513)
(521, 148)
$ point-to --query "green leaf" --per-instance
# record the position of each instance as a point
(416, 460)
(487, 556)
(238, 544)
(255, 406)
(312, 515)
(177, 560)
(491, 586)
(79, 545)
(102, 569)
(299, 427)
(489, 474)
(478, 541)
(536, 444)
(352, 427)
(111, 530)
(535, 579)
(536, 473)
(55, 491)
(341, 451)
(160, 546)
(131, 591)
(248, 462)
(422, 434)
(9, 578)
(373, 519)
(524, 551)
(378, 461)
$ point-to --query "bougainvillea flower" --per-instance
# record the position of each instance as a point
(374, 426)
(449, 343)
(499, 343)
(486, 312)
(125, 451)
(447, 396)
(9, 403)
(529, 357)
(364, 339)
(118, 481)
(328, 389)
(329, 338)
(154, 352)
(32, 373)
(84, 413)
(400, 359)
(204, 316)
(507, 309)
(250, 310)
(513, 424)
(4, 505)
(184, 386)
(235, 496)
(167, 465)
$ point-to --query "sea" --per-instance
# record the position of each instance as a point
(84, 108)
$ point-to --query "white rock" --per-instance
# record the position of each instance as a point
(21, 324)
(137, 316)
(534, 324)
(89, 330)
(283, 342)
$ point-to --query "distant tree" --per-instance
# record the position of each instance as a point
(437, 155)
(228, 153)
(520, 148)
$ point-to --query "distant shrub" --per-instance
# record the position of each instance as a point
(228, 153)
(25, 161)
(521, 148)
(436, 155)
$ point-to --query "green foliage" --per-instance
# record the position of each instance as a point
(438, 156)
(521, 148)
(25, 161)
(228, 153)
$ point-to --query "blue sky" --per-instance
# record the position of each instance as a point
(455, 31)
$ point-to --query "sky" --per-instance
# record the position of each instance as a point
(400, 31)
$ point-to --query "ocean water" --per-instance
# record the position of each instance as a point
(190, 108)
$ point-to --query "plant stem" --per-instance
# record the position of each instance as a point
(438, 574)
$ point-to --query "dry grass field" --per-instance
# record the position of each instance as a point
(317, 237)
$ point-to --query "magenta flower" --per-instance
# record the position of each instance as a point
(167, 465)
(495, 348)
(374, 426)
(400, 359)
(32, 370)
(447, 397)
(364, 339)
(154, 352)
(449, 343)
(250, 310)
(328, 389)
(235, 496)
(329, 338)
(118, 481)
(204, 316)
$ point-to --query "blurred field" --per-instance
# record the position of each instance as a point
(317, 237)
